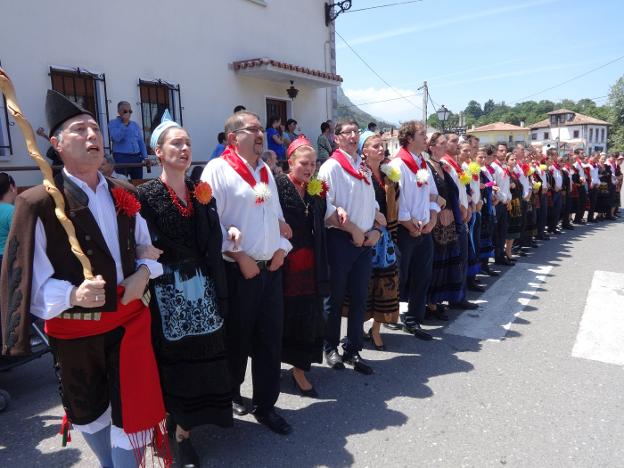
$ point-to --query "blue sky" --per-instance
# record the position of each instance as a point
(478, 49)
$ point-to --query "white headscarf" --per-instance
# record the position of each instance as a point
(165, 122)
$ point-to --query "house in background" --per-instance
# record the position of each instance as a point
(198, 59)
(501, 132)
(567, 130)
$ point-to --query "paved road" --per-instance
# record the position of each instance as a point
(497, 387)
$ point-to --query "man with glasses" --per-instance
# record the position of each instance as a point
(128, 144)
(248, 203)
(350, 238)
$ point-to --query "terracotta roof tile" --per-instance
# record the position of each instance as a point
(498, 127)
(258, 62)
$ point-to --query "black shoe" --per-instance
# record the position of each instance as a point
(569, 227)
(521, 253)
(544, 237)
(369, 336)
(333, 359)
(186, 455)
(238, 407)
(463, 305)
(417, 331)
(476, 287)
(358, 363)
(534, 245)
(488, 271)
(503, 261)
(273, 421)
(311, 393)
(393, 326)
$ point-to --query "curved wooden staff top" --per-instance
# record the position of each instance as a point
(6, 86)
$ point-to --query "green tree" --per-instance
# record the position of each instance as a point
(489, 106)
(616, 116)
(473, 109)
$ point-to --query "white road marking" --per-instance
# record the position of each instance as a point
(601, 332)
(501, 303)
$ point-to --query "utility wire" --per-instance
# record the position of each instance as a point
(572, 79)
(383, 6)
(379, 102)
(374, 72)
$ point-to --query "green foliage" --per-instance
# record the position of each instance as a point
(616, 116)
(346, 109)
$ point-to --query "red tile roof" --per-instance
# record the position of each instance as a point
(258, 62)
(498, 127)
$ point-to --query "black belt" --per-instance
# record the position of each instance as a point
(263, 264)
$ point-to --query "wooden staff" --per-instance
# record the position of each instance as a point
(6, 86)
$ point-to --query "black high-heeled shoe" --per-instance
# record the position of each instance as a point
(310, 393)
(370, 337)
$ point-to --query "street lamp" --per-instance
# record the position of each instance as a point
(443, 115)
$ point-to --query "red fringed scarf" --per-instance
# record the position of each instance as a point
(142, 406)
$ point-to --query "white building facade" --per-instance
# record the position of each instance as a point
(199, 59)
(568, 130)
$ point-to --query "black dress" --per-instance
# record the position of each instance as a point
(188, 302)
(306, 277)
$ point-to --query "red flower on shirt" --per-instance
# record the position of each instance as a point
(125, 202)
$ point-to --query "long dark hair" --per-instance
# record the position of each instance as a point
(433, 140)
(6, 182)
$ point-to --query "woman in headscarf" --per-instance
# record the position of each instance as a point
(383, 288)
(306, 275)
(189, 299)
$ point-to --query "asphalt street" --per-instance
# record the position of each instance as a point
(499, 387)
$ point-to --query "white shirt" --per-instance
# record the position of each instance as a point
(558, 177)
(355, 196)
(50, 296)
(524, 181)
(475, 185)
(542, 176)
(502, 180)
(580, 168)
(414, 201)
(463, 194)
(236, 205)
(595, 176)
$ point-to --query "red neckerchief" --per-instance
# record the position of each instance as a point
(593, 164)
(408, 159)
(525, 168)
(556, 166)
(341, 158)
(490, 169)
(454, 164)
(567, 167)
(235, 162)
(504, 169)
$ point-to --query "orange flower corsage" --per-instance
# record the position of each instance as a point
(125, 202)
(203, 193)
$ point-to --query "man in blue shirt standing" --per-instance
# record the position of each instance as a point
(128, 144)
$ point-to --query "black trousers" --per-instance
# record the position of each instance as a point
(415, 272)
(580, 209)
(525, 239)
(350, 270)
(555, 212)
(593, 199)
(254, 329)
(542, 215)
(566, 208)
(500, 232)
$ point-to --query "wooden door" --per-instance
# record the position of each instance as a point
(275, 107)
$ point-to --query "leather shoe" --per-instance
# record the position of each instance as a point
(417, 331)
(273, 421)
(311, 392)
(488, 271)
(186, 454)
(238, 406)
(392, 326)
(476, 287)
(334, 360)
(503, 261)
(358, 363)
(463, 305)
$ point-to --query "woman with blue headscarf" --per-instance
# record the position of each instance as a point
(383, 289)
(189, 299)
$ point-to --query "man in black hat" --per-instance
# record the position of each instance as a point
(99, 328)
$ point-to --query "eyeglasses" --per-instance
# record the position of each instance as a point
(252, 129)
(127, 111)
(349, 132)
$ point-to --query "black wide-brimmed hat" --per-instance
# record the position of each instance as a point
(59, 109)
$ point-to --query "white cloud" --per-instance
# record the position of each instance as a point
(387, 104)
(442, 23)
